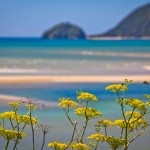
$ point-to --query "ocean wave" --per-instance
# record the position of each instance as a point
(103, 53)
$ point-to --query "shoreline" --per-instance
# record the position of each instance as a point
(31, 79)
(117, 38)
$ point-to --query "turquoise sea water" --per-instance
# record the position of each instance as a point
(78, 57)
(81, 57)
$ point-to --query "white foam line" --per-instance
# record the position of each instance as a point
(15, 70)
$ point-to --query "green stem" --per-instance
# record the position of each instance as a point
(3, 123)
(74, 131)
(33, 143)
(44, 134)
(84, 130)
(121, 133)
(68, 117)
(18, 129)
(126, 129)
(131, 115)
(6, 145)
(72, 138)
(96, 145)
(87, 104)
(11, 123)
(122, 106)
(16, 141)
(126, 137)
(105, 131)
(23, 127)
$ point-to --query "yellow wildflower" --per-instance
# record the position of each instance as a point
(87, 112)
(147, 96)
(115, 143)
(139, 123)
(147, 103)
(105, 123)
(120, 123)
(134, 114)
(128, 81)
(67, 103)
(31, 106)
(9, 115)
(10, 134)
(132, 124)
(79, 146)
(57, 145)
(117, 87)
(86, 96)
(26, 119)
(14, 104)
(97, 137)
(135, 103)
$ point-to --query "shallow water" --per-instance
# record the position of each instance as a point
(74, 57)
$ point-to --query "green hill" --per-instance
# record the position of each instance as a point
(135, 25)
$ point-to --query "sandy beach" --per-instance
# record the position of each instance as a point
(27, 79)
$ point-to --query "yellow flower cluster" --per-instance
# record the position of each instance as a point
(147, 96)
(128, 81)
(10, 134)
(134, 114)
(57, 145)
(120, 123)
(115, 143)
(147, 104)
(97, 137)
(117, 87)
(86, 96)
(26, 119)
(136, 103)
(132, 124)
(67, 103)
(31, 106)
(14, 104)
(9, 115)
(105, 123)
(87, 112)
(79, 146)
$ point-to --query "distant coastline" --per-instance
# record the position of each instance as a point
(87, 38)
(117, 38)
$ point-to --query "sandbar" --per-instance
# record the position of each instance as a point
(31, 79)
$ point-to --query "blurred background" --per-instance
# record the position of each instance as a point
(73, 38)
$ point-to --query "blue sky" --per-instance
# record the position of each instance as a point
(29, 18)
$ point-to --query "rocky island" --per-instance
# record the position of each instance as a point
(64, 31)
